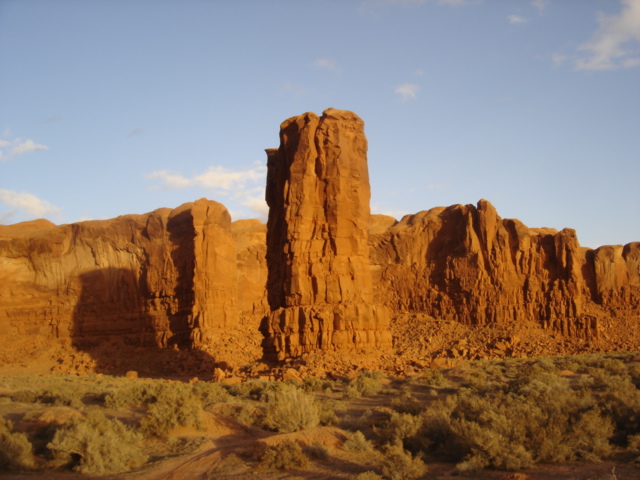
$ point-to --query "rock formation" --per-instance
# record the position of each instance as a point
(319, 285)
(323, 275)
(465, 263)
(160, 279)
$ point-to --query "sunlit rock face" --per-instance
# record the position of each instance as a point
(319, 282)
(161, 279)
(467, 264)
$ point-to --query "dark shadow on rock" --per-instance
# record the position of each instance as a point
(113, 323)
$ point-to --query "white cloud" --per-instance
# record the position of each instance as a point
(4, 143)
(25, 146)
(616, 43)
(258, 205)
(407, 91)
(327, 64)
(25, 205)
(540, 5)
(170, 180)
(558, 59)
(515, 19)
(219, 179)
(294, 89)
(397, 214)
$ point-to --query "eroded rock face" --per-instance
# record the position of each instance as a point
(319, 283)
(324, 275)
(467, 264)
(164, 278)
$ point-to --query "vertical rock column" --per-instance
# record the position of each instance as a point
(319, 283)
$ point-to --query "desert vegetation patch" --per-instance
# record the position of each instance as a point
(480, 419)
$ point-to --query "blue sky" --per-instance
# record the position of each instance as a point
(114, 107)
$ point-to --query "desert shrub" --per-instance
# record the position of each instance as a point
(407, 403)
(400, 427)
(433, 377)
(174, 406)
(369, 476)
(353, 423)
(244, 413)
(316, 451)
(477, 380)
(633, 443)
(16, 452)
(368, 383)
(210, 393)
(620, 400)
(537, 417)
(357, 442)
(292, 409)
(229, 465)
(398, 464)
(48, 396)
(634, 373)
(284, 456)
(567, 363)
(251, 390)
(184, 445)
(133, 395)
(97, 445)
(314, 384)
(326, 411)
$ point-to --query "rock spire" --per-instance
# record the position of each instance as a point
(319, 281)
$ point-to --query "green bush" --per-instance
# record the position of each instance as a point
(16, 452)
(284, 456)
(292, 409)
(97, 445)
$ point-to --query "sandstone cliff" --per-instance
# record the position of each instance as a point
(467, 264)
(323, 275)
(319, 283)
(160, 279)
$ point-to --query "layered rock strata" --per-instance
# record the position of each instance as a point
(165, 278)
(467, 264)
(319, 282)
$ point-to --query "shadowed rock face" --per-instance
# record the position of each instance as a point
(319, 284)
(164, 278)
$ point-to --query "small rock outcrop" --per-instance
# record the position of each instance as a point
(319, 282)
